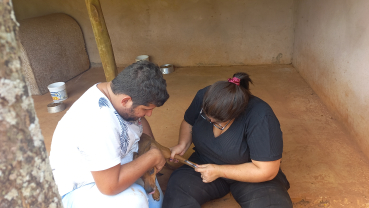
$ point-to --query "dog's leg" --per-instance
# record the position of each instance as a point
(166, 152)
(149, 177)
(156, 194)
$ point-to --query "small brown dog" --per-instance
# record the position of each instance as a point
(149, 177)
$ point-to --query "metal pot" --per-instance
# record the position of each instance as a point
(55, 107)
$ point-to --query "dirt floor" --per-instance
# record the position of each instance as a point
(321, 160)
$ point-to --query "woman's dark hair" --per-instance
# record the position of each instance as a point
(224, 100)
(143, 82)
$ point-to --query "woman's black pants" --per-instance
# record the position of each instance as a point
(186, 189)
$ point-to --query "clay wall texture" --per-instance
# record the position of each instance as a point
(184, 33)
(331, 52)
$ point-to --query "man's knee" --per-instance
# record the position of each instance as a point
(90, 196)
(134, 196)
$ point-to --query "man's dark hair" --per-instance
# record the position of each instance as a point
(225, 101)
(143, 82)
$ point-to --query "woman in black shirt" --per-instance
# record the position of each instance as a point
(238, 146)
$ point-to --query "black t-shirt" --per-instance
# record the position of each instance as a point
(255, 134)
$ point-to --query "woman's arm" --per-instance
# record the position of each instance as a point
(254, 172)
(184, 142)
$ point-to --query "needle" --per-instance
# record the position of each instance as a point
(190, 164)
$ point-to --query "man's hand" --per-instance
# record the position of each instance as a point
(209, 172)
(160, 160)
(118, 178)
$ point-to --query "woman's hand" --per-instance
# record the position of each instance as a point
(179, 149)
(184, 142)
(209, 172)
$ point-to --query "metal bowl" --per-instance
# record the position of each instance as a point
(55, 107)
(167, 68)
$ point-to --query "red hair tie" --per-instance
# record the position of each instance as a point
(234, 80)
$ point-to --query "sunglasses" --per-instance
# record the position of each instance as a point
(219, 126)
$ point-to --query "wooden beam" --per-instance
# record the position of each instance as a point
(102, 38)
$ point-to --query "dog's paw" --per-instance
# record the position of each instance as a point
(156, 195)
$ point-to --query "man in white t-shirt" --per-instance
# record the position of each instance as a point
(93, 144)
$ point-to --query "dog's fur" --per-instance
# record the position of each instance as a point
(149, 177)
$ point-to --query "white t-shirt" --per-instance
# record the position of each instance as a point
(91, 136)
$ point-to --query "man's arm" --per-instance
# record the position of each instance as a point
(118, 178)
